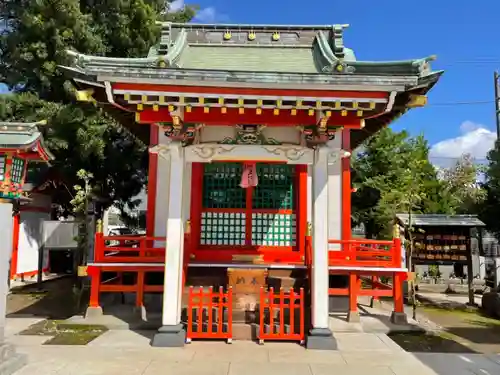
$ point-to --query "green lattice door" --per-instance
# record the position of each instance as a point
(263, 216)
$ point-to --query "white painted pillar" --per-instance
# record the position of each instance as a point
(320, 271)
(5, 254)
(175, 239)
(10, 361)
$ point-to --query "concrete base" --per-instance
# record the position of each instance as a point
(353, 317)
(10, 361)
(93, 312)
(321, 339)
(399, 318)
(169, 337)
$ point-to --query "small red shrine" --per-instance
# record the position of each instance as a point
(251, 130)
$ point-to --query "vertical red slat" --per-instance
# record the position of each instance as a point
(271, 309)
(200, 310)
(302, 312)
(210, 306)
(190, 313)
(230, 312)
(301, 207)
(282, 312)
(292, 311)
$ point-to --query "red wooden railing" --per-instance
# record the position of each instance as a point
(281, 315)
(366, 253)
(128, 249)
(210, 314)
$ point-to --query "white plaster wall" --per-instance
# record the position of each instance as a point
(30, 241)
(335, 195)
(286, 135)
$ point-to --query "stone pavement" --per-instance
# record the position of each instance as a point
(127, 352)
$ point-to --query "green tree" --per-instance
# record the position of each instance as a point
(392, 174)
(33, 43)
(461, 184)
(490, 208)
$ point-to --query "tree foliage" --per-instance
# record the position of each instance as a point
(490, 208)
(33, 43)
(461, 184)
(392, 174)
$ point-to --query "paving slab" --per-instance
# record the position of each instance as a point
(123, 339)
(15, 325)
(188, 368)
(269, 369)
(322, 369)
(332, 358)
(361, 342)
(239, 351)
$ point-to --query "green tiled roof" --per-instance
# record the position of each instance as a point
(22, 136)
(298, 49)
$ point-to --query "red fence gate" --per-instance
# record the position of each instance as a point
(281, 315)
(210, 314)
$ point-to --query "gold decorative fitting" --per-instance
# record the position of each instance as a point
(258, 111)
(276, 111)
(162, 99)
(338, 105)
(355, 105)
(188, 227)
(137, 117)
(294, 112)
(223, 110)
(359, 113)
(309, 229)
(227, 35)
(328, 113)
(279, 103)
(140, 107)
(221, 101)
(241, 102)
(339, 68)
(144, 98)
(344, 113)
(156, 108)
(126, 97)
(259, 102)
(241, 111)
(192, 256)
(276, 36)
(84, 95)
(188, 108)
(206, 109)
(251, 35)
(417, 101)
(372, 105)
(201, 100)
(171, 108)
(162, 63)
(176, 121)
(311, 112)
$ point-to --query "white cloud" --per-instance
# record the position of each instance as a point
(204, 15)
(476, 140)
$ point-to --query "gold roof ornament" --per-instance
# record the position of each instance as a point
(276, 36)
(227, 35)
(252, 35)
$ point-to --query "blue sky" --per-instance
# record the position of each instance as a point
(455, 31)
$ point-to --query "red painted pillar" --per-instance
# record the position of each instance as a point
(16, 222)
(354, 286)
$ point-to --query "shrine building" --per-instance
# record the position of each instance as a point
(250, 131)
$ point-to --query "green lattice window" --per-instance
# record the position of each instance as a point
(221, 186)
(17, 170)
(222, 228)
(2, 168)
(273, 229)
(275, 188)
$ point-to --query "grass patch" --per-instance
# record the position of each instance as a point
(426, 342)
(65, 333)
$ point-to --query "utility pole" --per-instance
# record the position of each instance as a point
(497, 103)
